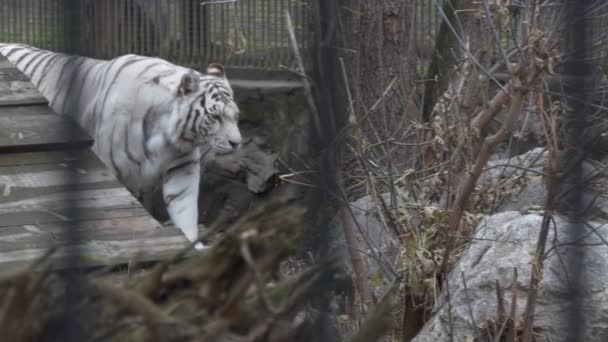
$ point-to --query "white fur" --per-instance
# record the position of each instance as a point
(147, 101)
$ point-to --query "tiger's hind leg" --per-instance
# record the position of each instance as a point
(180, 194)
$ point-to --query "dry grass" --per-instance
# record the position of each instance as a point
(231, 292)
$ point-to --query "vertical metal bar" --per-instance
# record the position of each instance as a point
(193, 17)
(115, 6)
(95, 35)
(19, 30)
(200, 44)
(61, 24)
(157, 36)
(52, 12)
(70, 323)
(19, 19)
(244, 27)
(28, 22)
(120, 26)
(4, 18)
(216, 32)
(264, 32)
(174, 34)
(132, 39)
(10, 18)
(304, 33)
(124, 21)
(224, 32)
(251, 30)
(111, 40)
(57, 18)
(415, 19)
(577, 88)
(43, 24)
(110, 35)
(192, 35)
(135, 39)
(117, 26)
(145, 31)
(24, 23)
(277, 28)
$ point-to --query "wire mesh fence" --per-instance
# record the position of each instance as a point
(243, 34)
(246, 33)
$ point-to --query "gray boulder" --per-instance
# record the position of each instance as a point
(379, 246)
(520, 185)
(506, 241)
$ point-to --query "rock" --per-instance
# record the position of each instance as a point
(506, 241)
(521, 184)
(523, 189)
(379, 245)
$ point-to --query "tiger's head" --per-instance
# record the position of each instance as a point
(212, 114)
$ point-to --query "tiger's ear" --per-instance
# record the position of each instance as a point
(189, 83)
(216, 69)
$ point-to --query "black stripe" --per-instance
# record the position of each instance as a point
(35, 58)
(75, 71)
(14, 49)
(60, 84)
(182, 135)
(171, 72)
(77, 97)
(129, 154)
(204, 101)
(171, 197)
(180, 166)
(35, 68)
(145, 130)
(18, 60)
(148, 68)
(197, 113)
(99, 84)
(50, 64)
(118, 173)
(116, 74)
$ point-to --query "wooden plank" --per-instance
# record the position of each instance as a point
(44, 192)
(38, 128)
(107, 242)
(36, 193)
(16, 88)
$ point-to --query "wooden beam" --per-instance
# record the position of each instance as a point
(37, 128)
(37, 194)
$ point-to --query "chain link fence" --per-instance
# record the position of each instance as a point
(247, 34)
(241, 34)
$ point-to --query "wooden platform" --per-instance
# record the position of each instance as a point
(46, 170)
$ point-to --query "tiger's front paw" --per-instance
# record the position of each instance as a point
(199, 246)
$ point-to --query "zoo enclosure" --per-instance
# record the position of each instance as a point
(246, 34)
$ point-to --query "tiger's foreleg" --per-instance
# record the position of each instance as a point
(180, 193)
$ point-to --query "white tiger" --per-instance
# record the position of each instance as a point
(152, 121)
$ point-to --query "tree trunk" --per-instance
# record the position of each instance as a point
(449, 52)
(380, 61)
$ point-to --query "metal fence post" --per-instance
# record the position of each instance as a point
(72, 27)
